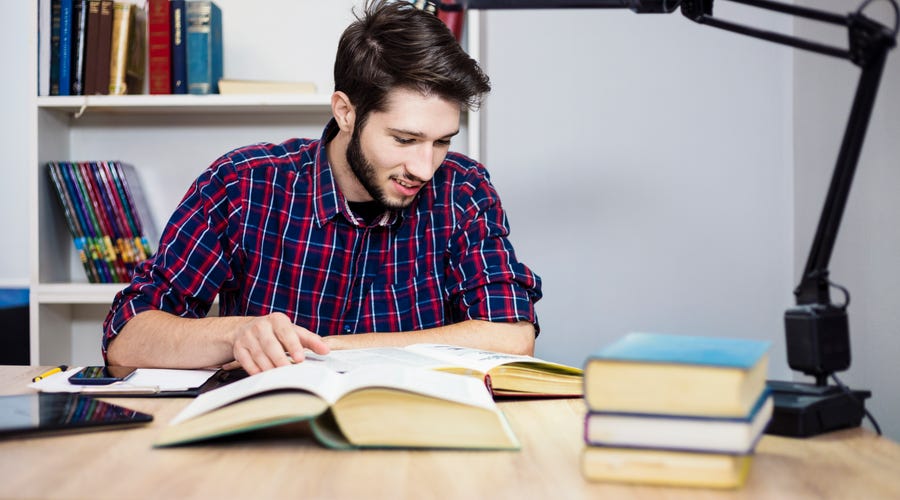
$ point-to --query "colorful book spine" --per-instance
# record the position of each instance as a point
(159, 47)
(79, 43)
(204, 47)
(55, 6)
(65, 46)
(179, 46)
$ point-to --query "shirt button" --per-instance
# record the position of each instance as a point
(347, 329)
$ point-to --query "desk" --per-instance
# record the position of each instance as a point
(289, 463)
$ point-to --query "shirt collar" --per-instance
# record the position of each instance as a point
(328, 199)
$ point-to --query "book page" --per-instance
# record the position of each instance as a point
(310, 377)
(467, 357)
(351, 359)
(466, 390)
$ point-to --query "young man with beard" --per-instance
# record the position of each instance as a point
(374, 235)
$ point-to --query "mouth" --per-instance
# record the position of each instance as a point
(406, 187)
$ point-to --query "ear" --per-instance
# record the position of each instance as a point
(344, 112)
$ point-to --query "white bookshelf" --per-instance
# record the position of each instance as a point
(170, 139)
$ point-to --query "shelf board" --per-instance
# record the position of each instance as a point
(76, 293)
(186, 103)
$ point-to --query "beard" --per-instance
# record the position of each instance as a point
(366, 174)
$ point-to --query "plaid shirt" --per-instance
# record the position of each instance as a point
(266, 229)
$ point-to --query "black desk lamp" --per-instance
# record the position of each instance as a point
(817, 330)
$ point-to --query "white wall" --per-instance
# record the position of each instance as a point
(15, 89)
(645, 162)
(866, 256)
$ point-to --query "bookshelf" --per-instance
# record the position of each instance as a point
(170, 139)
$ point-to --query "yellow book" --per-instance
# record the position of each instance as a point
(665, 468)
(265, 87)
(504, 374)
(380, 406)
(677, 374)
(129, 47)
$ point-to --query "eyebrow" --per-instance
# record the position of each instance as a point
(418, 134)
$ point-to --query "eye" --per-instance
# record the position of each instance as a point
(402, 140)
(442, 142)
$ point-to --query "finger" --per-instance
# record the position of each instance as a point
(243, 358)
(313, 342)
(231, 365)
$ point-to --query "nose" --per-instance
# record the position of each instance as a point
(421, 165)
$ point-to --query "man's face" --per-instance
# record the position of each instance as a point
(398, 150)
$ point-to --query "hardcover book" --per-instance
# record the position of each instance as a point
(665, 468)
(159, 47)
(204, 47)
(380, 406)
(128, 49)
(66, 34)
(179, 46)
(104, 47)
(737, 435)
(677, 374)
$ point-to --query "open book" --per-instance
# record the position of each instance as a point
(504, 374)
(372, 406)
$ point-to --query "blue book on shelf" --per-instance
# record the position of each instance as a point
(179, 46)
(684, 349)
(204, 47)
(66, 23)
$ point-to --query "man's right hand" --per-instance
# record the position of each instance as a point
(266, 342)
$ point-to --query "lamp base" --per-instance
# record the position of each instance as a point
(804, 410)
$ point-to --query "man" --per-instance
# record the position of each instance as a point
(374, 235)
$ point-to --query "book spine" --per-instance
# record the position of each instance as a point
(55, 6)
(78, 47)
(78, 237)
(103, 214)
(88, 223)
(204, 47)
(91, 47)
(104, 46)
(179, 46)
(135, 206)
(65, 46)
(454, 19)
(160, 48)
(44, 48)
(136, 51)
(118, 56)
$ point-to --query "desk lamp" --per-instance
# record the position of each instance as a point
(816, 329)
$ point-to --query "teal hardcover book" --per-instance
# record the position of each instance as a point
(663, 348)
(677, 374)
(204, 47)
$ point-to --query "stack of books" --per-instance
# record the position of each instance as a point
(89, 47)
(675, 410)
(103, 207)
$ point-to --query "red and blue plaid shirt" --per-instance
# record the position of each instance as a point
(266, 229)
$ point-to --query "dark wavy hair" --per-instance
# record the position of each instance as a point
(394, 45)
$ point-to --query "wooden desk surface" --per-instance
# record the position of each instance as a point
(289, 463)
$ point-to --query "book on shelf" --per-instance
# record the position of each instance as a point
(128, 49)
(736, 435)
(79, 46)
(665, 467)
(178, 41)
(677, 374)
(227, 86)
(44, 23)
(380, 406)
(66, 25)
(91, 47)
(204, 46)
(159, 47)
(503, 374)
(55, 25)
(100, 214)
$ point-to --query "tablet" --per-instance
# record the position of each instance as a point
(54, 412)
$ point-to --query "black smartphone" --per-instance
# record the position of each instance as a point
(101, 375)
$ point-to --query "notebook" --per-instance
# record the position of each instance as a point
(57, 412)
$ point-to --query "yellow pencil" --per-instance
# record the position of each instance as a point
(60, 368)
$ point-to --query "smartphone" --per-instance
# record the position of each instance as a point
(101, 375)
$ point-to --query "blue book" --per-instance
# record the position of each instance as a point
(204, 47)
(66, 23)
(677, 374)
(179, 46)
(736, 435)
